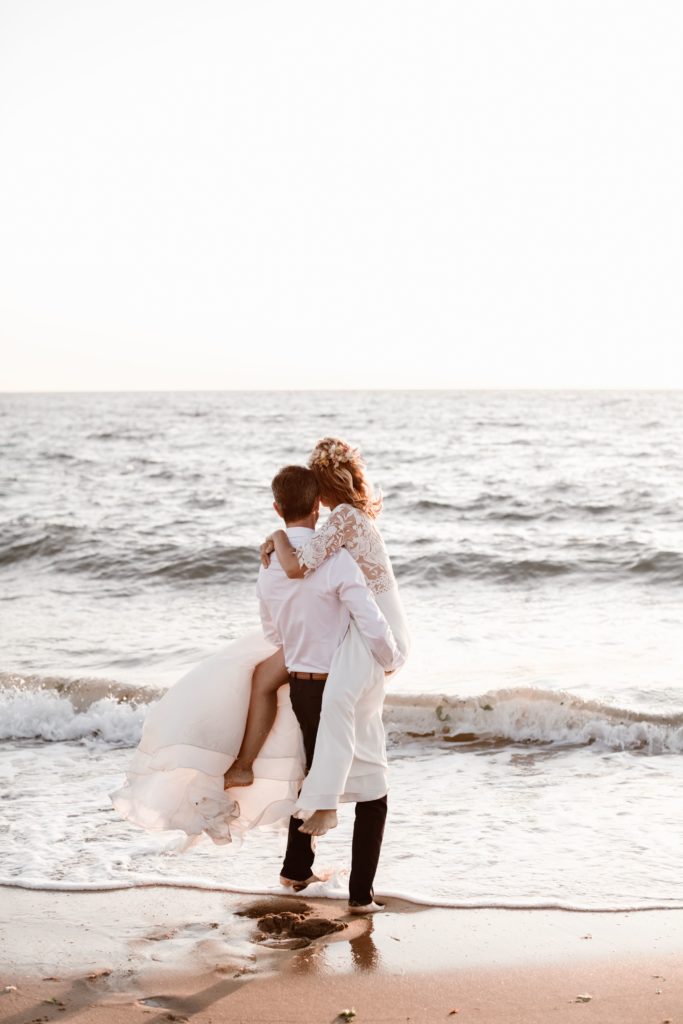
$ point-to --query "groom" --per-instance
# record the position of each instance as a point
(309, 618)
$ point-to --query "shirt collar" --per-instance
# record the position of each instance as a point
(299, 532)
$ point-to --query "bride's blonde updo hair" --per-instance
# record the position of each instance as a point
(339, 470)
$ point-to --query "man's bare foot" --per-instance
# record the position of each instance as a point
(369, 908)
(319, 823)
(291, 883)
(237, 775)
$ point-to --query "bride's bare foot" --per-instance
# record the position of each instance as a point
(319, 823)
(290, 883)
(237, 775)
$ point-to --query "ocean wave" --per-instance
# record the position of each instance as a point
(168, 561)
(61, 456)
(45, 715)
(73, 550)
(160, 551)
(81, 691)
(431, 504)
(665, 566)
(476, 565)
(19, 543)
(595, 561)
(530, 715)
(57, 709)
(105, 554)
(492, 506)
(124, 434)
(207, 501)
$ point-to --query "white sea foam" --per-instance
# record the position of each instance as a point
(28, 710)
(336, 889)
(43, 714)
(510, 825)
(527, 715)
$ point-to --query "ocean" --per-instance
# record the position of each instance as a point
(536, 734)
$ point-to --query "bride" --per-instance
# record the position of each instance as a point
(221, 752)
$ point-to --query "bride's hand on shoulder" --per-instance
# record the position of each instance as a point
(266, 551)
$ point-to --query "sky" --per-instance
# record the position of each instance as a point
(375, 194)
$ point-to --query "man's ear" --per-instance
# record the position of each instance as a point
(316, 507)
(278, 510)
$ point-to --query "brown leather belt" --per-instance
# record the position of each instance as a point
(316, 677)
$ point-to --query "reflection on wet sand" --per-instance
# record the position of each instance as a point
(364, 952)
(358, 952)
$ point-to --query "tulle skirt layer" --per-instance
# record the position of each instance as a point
(191, 737)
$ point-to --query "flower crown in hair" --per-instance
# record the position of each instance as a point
(332, 453)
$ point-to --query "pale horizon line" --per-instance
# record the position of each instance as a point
(323, 390)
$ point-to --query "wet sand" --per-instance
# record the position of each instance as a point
(161, 954)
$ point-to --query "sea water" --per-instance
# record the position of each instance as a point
(536, 734)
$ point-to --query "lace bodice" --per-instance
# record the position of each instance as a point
(348, 527)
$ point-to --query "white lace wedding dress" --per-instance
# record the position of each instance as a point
(192, 734)
(350, 751)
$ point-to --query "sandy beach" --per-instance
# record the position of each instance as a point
(164, 954)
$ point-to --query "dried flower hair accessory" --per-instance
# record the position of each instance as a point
(333, 454)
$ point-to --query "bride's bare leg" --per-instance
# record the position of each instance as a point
(268, 677)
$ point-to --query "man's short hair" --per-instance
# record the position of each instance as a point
(295, 489)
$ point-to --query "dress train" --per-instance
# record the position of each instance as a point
(190, 738)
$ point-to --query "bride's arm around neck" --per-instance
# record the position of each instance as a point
(334, 535)
(287, 555)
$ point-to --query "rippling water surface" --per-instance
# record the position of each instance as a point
(538, 541)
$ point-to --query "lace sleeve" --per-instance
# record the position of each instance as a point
(334, 535)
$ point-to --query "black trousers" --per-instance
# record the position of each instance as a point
(368, 830)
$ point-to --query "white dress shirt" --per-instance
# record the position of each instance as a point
(309, 617)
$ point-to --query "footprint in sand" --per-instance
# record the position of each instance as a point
(288, 924)
(294, 931)
(275, 905)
